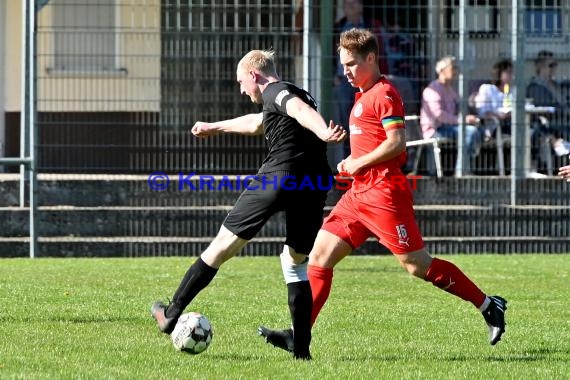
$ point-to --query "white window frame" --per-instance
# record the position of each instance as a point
(480, 19)
(92, 63)
(546, 37)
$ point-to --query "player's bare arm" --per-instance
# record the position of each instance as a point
(394, 144)
(250, 124)
(313, 121)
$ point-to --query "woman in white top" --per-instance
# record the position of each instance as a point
(493, 100)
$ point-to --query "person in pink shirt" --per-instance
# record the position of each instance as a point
(439, 113)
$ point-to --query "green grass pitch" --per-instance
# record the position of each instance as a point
(89, 319)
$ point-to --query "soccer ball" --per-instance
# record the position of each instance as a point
(193, 333)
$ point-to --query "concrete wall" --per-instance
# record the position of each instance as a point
(12, 55)
(2, 79)
(134, 86)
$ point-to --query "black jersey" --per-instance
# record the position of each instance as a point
(292, 147)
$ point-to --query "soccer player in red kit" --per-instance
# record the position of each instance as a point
(373, 206)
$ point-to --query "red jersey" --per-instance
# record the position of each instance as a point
(375, 111)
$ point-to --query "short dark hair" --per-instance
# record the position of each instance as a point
(542, 57)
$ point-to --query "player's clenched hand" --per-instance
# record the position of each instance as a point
(201, 129)
(341, 170)
(334, 133)
(564, 172)
(349, 166)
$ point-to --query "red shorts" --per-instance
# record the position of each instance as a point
(385, 212)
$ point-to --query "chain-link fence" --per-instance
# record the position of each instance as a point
(121, 82)
(129, 78)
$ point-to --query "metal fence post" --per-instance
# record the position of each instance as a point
(326, 59)
(519, 131)
(461, 156)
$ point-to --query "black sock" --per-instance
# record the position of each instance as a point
(300, 306)
(197, 277)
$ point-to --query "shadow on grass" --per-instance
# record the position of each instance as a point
(395, 268)
(236, 356)
(71, 319)
(505, 358)
(533, 355)
(385, 358)
(93, 319)
(538, 354)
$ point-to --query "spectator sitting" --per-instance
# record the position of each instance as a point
(439, 114)
(544, 90)
(493, 100)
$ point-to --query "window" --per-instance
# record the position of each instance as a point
(543, 18)
(481, 17)
(84, 35)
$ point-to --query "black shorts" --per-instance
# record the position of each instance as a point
(270, 193)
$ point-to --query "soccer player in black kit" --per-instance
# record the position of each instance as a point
(296, 136)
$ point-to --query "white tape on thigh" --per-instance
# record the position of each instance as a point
(293, 272)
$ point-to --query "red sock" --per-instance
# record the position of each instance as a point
(321, 282)
(450, 278)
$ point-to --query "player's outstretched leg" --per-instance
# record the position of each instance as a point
(279, 338)
(446, 276)
(198, 276)
(158, 312)
(285, 339)
(321, 284)
(494, 315)
(297, 339)
(300, 305)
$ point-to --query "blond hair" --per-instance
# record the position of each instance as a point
(260, 60)
(443, 63)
